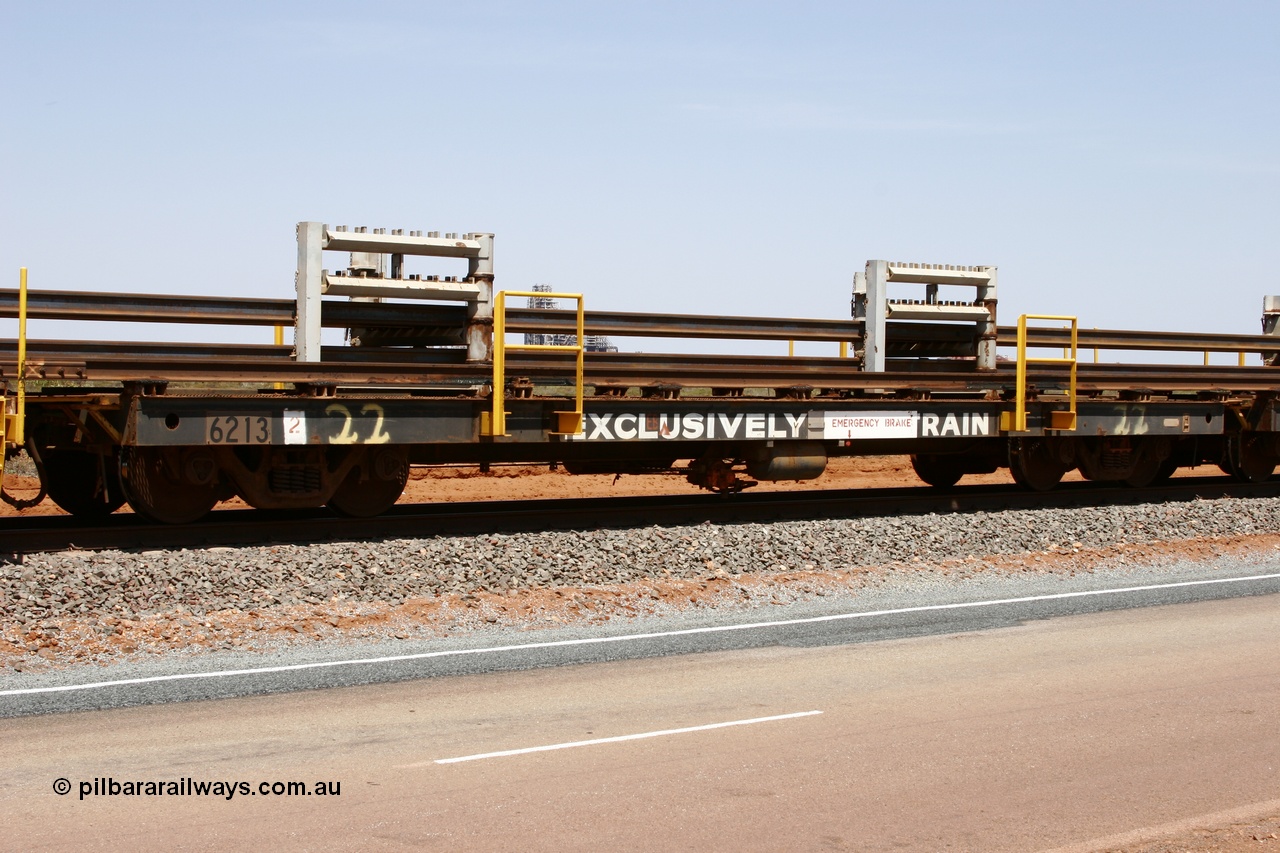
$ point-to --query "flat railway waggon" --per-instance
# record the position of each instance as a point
(428, 374)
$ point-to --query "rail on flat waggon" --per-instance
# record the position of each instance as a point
(427, 375)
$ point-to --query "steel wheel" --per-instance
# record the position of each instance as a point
(1034, 464)
(1166, 470)
(170, 485)
(941, 472)
(84, 484)
(374, 484)
(1151, 455)
(1250, 457)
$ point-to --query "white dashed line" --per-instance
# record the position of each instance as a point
(618, 739)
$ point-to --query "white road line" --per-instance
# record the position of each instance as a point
(617, 739)
(624, 638)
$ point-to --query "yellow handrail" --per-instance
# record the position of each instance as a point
(13, 425)
(13, 430)
(567, 423)
(279, 386)
(1057, 420)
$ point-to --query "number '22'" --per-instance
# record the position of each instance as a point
(348, 434)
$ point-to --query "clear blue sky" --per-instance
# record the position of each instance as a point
(1116, 160)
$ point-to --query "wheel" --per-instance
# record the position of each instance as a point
(374, 484)
(1034, 464)
(84, 484)
(1152, 457)
(1250, 457)
(170, 485)
(1166, 470)
(1144, 473)
(941, 472)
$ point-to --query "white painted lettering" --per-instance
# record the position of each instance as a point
(729, 425)
(693, 426)
(625, 432)
(870, 425)
(600, 427)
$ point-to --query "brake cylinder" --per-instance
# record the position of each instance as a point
(788, 460)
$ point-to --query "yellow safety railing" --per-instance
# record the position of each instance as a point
(1057, 420)
(567, 423)
(279, 386)
(13, 424)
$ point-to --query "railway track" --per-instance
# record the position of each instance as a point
(125, 531)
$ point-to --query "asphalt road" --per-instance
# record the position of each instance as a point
(1054, 733)
(900, 613)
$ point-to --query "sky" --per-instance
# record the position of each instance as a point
(1119, 161)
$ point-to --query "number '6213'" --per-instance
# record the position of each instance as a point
(238, 429)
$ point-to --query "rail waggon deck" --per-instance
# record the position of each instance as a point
(429, 374)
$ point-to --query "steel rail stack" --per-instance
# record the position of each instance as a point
(425, 376)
